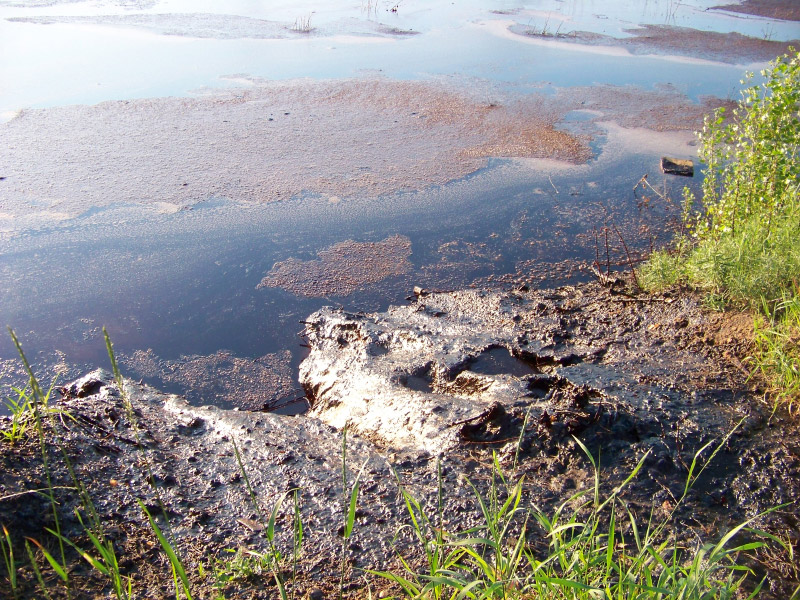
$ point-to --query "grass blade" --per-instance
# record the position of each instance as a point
(170, 552)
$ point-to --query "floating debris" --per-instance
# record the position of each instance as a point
(677, 166)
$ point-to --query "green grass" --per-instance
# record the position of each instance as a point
(20, 410)
(777, 356)
(743, 247)
(592, 546)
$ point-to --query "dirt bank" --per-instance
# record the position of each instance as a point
(450, 375)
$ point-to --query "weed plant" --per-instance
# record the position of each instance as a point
(349, 507)
(595, 549)
(742, 248)
(20, 411)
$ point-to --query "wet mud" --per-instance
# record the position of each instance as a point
(455, 376)
(127, 4)
(265, 143)
(522, 372)
(343, 268)
(265, 383)
(730, 48)
(787, 10)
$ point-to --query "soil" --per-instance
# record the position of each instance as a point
(627, 374)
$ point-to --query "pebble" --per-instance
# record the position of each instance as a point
(316, 594)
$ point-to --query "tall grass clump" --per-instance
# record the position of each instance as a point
(742, 246)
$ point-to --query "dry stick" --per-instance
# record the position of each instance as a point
(608, 253)
(644, 181)
(627, 253)
(596, 247)
(553, 184)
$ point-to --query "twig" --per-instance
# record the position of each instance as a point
(627, 253)
(643, 181)
(553, 184)
(596, 247)
(37, 491)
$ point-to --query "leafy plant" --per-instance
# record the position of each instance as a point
(753, 159)
(777, 356)
(39, 402)
(107, 563)
(349, 505)
(179, 577)
(297, 536)
(273, 557)
(242, 564)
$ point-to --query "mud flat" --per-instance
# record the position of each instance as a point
(278, 140)
(454, 376)
(223, 27)
(223, 379)
(341, 269)
(787, 10)
(731, 48)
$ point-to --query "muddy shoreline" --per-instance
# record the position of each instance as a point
(626, 374)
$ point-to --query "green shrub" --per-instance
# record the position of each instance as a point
(743, 246)
(752, 159)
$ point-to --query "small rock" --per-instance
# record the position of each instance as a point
(677, 166)
(316, 594)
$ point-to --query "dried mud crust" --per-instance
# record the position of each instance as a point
(732, 48)
(625, 375)
(264, 143)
